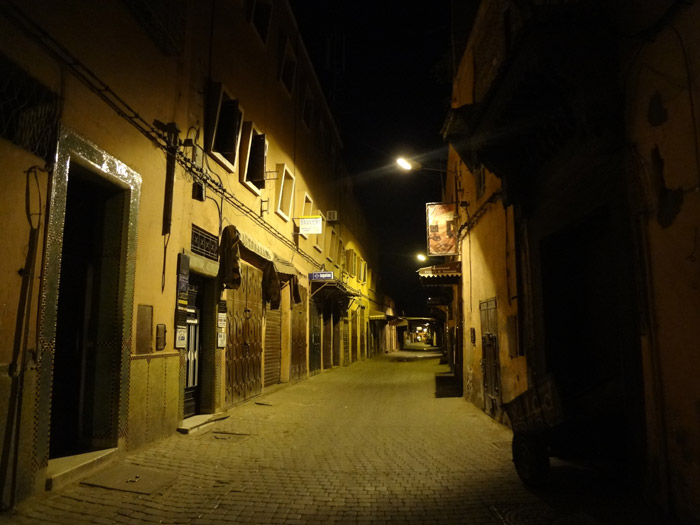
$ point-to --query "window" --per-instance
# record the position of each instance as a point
(164, 21)
(223, 129)
(318, 239)
(306, 210)
(204, 243)
(253, 154)
(29, 111)
(362, 271)
(289, 67)
(307, 110)
(351, 261)
(479, 180)
(259, 14)
(285, 192)
(320, 133)
(341, 255)
(332, 244)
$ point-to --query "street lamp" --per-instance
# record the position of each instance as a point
(411, 165)
(421, 257)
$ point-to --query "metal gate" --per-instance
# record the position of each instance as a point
(363, 334)
(346, 342)
(327, 338)
(337, 338)
(192, 353)
(355, 350)
(314, 338)
(298, 361)
(244, 345)
(490, 362)
(273, 346)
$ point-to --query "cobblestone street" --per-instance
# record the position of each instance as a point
(368, 443)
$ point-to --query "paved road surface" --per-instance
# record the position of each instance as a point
(370, 443)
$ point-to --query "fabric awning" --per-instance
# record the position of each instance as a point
(375, 315)
(441, 274)
(254, 246)
(284, 266)
(331, 290)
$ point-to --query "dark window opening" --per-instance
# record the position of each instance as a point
(225, 119)
(480, 180)
(163, 21)
(307, 111)
(255, 172)
(259, 14)
(289, 66)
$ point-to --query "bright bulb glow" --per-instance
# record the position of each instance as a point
(404, 164)
(421, 257)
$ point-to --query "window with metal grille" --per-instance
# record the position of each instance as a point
(204, 243)
(29, 111)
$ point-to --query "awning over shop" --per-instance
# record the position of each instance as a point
(375, 315)
(441, 274)
(331, 290)
(254, 246)
(284, 266)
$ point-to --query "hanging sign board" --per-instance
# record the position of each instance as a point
(441, 222)
(311, 225)
(321, 276)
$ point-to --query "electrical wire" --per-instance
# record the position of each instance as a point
(157, 137)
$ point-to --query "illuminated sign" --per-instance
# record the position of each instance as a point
(441, 223)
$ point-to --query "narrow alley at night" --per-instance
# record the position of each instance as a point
(309, 261)
(372, 443)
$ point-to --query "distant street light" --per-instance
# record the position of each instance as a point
(421, 257)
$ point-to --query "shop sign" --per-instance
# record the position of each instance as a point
(311, 225)
(321, 276)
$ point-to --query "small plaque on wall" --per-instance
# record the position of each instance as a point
(181, 337)
(220, 339)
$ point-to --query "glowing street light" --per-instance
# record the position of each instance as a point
(412, 165)
(421, 257)
(408, 165)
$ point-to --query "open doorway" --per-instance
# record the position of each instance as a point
(85, 390)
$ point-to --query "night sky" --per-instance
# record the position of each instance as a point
(389, 90)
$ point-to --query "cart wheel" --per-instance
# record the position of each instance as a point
(531, 460)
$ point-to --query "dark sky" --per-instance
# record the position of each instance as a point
(389, 90)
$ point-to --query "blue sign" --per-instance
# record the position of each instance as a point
(321, 276)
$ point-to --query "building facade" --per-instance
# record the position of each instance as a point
(580, 119)
(159, 159)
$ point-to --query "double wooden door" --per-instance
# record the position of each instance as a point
(244, 343)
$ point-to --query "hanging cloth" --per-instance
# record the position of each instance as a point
(271, 286)
(229, 256)
(296, 296)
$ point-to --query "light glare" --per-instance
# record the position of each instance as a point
(404, 164)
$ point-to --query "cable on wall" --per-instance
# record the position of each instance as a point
(124, 110)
